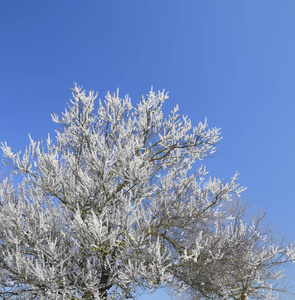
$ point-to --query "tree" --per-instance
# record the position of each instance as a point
(111, 204)
(251, 260)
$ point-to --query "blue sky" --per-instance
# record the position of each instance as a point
(230, 61)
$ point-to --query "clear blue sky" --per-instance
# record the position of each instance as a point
(232, 61)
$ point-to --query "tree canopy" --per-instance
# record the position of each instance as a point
(116, 202)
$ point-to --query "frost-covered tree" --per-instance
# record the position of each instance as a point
(112, 205)
(251, 264)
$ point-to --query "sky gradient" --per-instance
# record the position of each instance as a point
(230, 61)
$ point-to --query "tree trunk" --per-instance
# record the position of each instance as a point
(88, 295)
(104, 286)
(244, 297)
